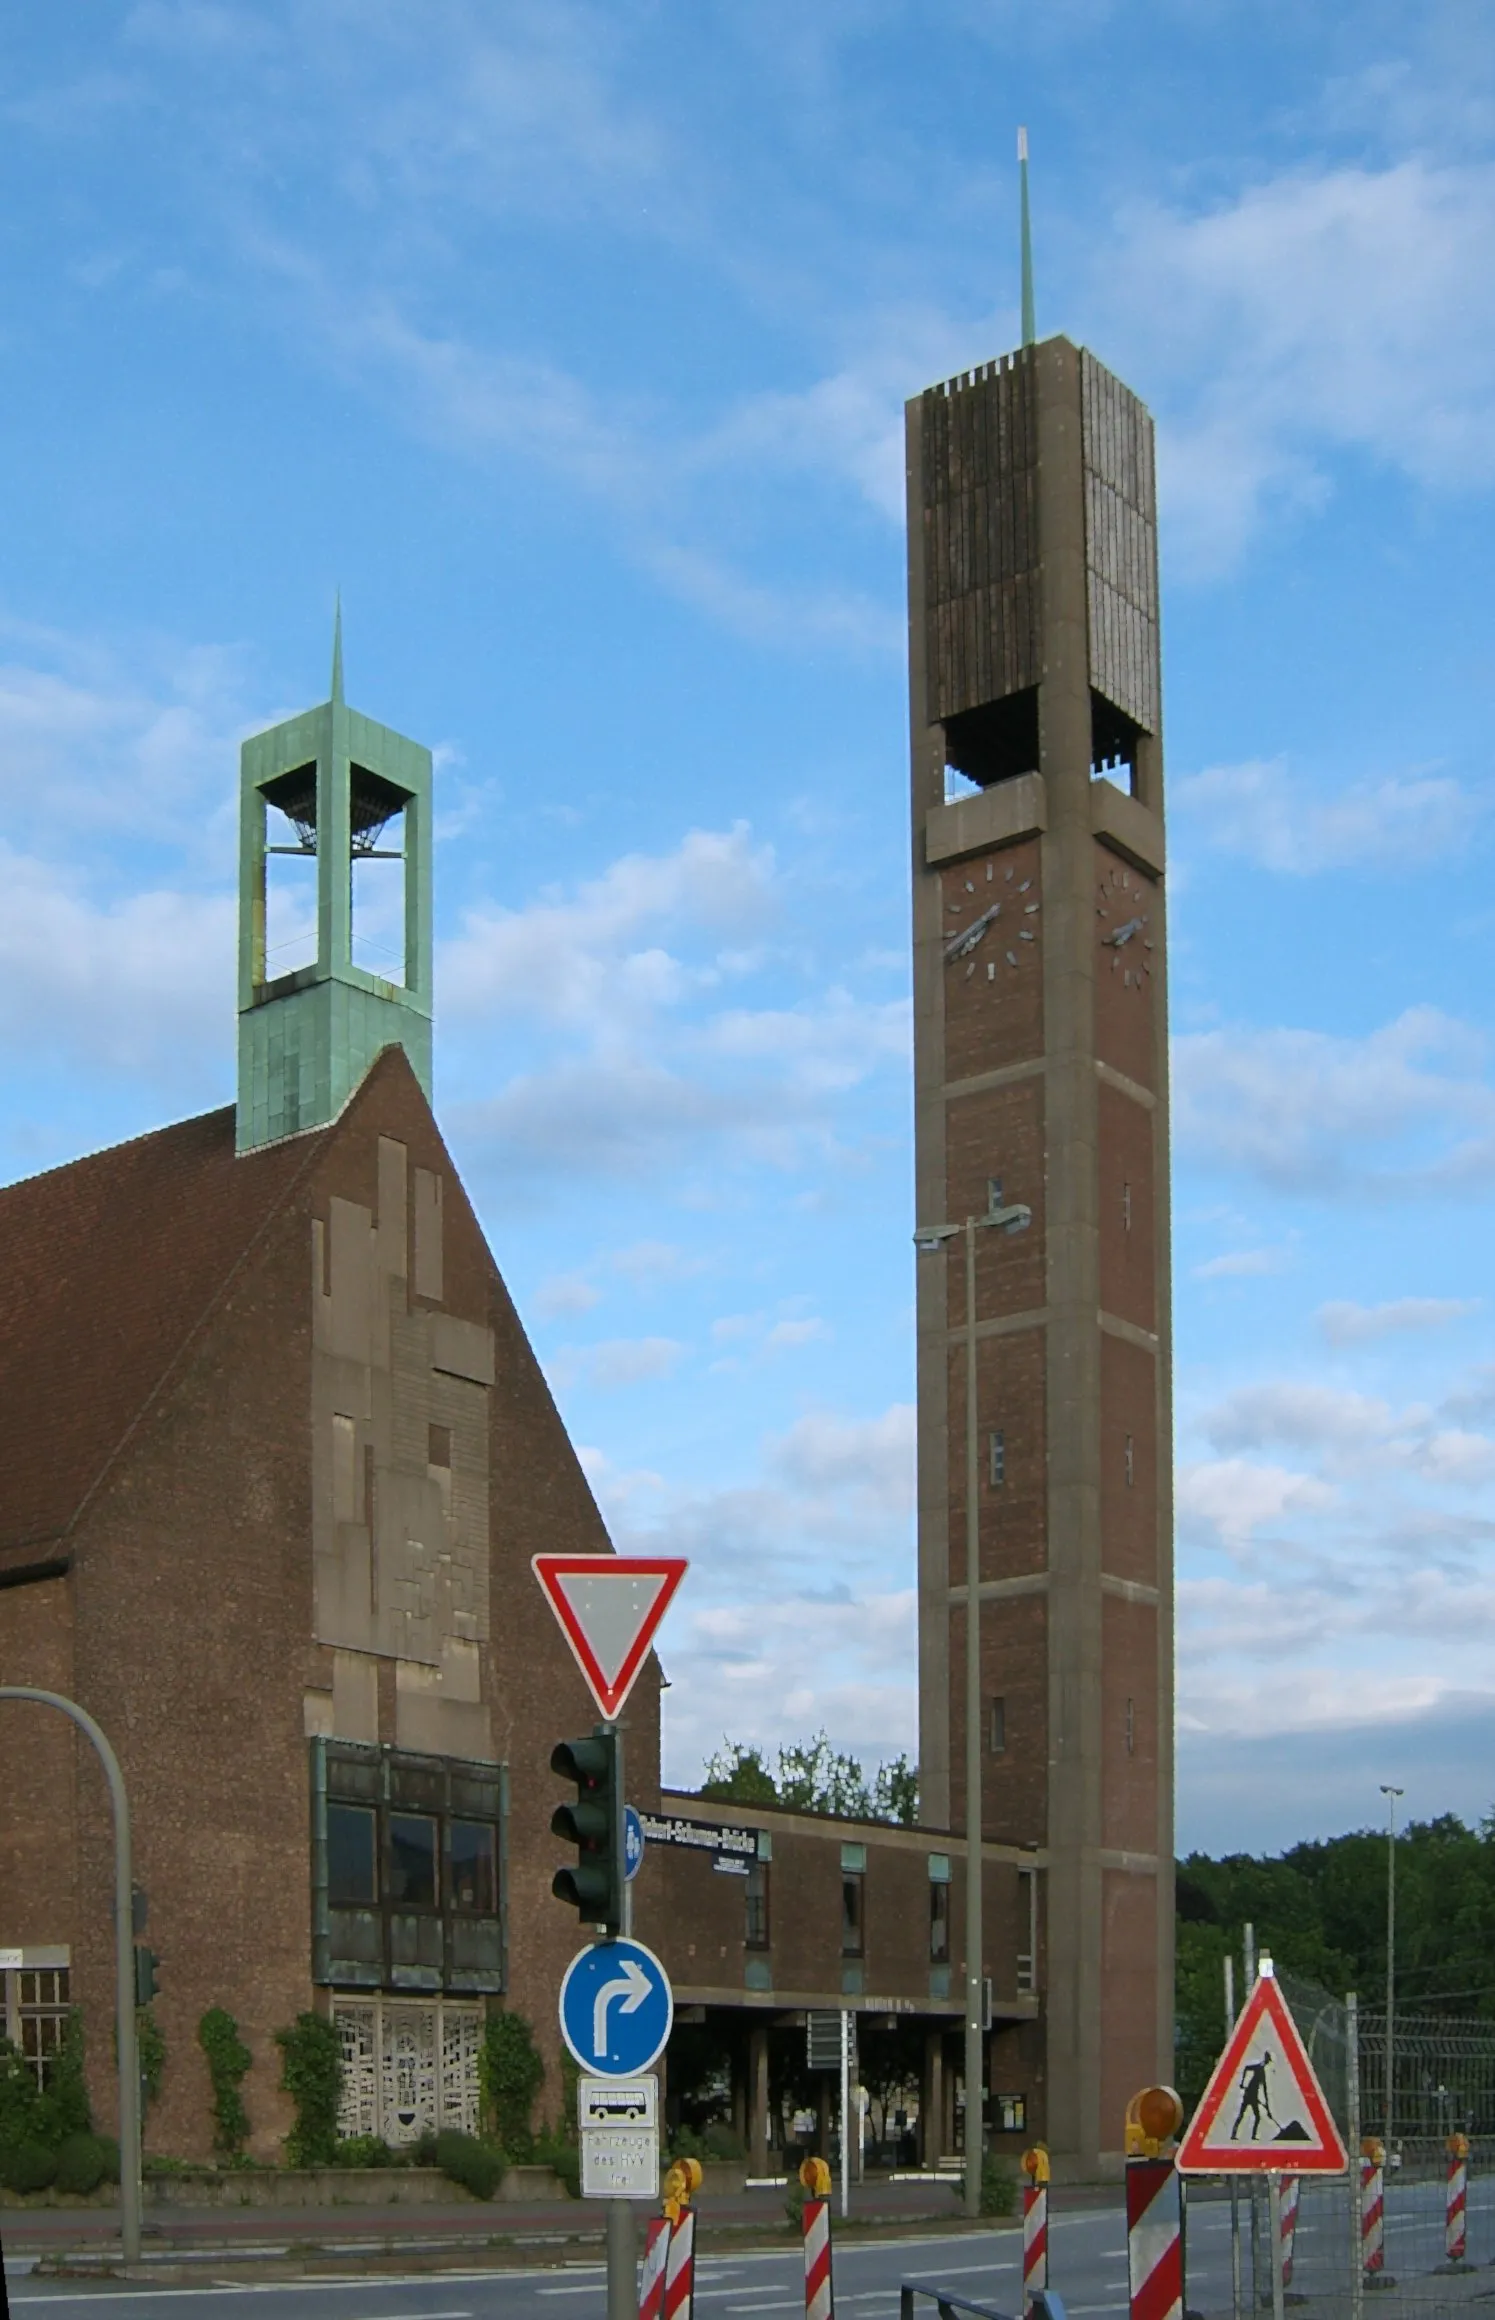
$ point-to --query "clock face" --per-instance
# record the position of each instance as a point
(989, 930)
(1123, 911)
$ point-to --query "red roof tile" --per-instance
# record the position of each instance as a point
(107, 1266)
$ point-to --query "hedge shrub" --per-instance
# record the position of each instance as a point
(83, 2163)
(228, 2060)
(478, 2167)
(312, 2075)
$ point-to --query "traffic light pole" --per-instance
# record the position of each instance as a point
(124, 1968)
(622, 2234)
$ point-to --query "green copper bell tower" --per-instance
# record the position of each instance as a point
(306, 1038)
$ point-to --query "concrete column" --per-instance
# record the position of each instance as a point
(1073, 1266)
(932, 2100)
(757, 2092)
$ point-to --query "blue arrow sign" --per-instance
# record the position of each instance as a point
(616, 2008)
(633, 1843)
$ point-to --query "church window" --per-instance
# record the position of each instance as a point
(352, 1873)
(999, 1727)
(1131, 1463)
(474, 1866)
(755, 1899)
(939, 1925)
(998, 1460)
(1131, 1728)
(412, 1860)
(1126, 1208)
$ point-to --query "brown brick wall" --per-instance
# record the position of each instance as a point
(993, 1006)
(1128, 1995)
(194, 1647)
(39, 1752)
(998, 1132)
(1128, 1408)
(1011, 1384)
(1129, 1673)
(1128, 1252)
(1014, 1668)
(1126, 986)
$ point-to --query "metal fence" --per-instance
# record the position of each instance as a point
(1443, 2081)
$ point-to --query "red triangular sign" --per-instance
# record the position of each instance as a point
(1263, 2111)
(609, 1607)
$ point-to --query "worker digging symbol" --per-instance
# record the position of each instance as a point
(1254, 2097)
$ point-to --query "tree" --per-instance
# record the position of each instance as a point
(811, 1776)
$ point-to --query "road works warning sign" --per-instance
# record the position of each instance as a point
(1263, 2109)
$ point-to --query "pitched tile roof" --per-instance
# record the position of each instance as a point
(107, 1266)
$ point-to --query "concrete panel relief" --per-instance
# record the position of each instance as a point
(400, 1481)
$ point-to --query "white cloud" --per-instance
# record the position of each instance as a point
(646, 1068)
(592, 960)
(1240, 1265)
(1284, 822)
(1238, 1498)
(615, 1362)
(105, 981)
(566, 1293)
(1401, 1107)
(1319, 311)
(1345, 1323)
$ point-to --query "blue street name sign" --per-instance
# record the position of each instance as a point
(633, 1843)
(616, 2008)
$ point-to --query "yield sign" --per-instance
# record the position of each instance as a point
(609, 1607)
(1263, 2110)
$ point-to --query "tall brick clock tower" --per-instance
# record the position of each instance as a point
(1041, 1077)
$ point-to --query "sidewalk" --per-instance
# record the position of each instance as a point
(87, 2238)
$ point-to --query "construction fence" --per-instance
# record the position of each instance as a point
(1412, 2244)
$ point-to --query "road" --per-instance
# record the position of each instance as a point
(1087, 2259)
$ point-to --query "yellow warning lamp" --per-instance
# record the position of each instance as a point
(1036, 2164)
(1153, 2118)
(816, 2178)
(1373, 2149)
(680, 2186)
(1457, 2145)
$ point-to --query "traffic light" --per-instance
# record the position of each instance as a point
(594, 1825)
(146, 1984)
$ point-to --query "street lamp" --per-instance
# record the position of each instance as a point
(1014, 1218)
(1391, 1794)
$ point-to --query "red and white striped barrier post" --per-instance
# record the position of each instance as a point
(1456, 2220)
(815, 2175)
(680, 2267)
(1154, 2240)
(1287, 2228)
(1035, 2222)
(1372, 2209)
(651, 2271)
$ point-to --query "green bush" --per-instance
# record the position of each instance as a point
(364, 2151)
(228, 2060)
(721, 2141)
(83, 2164)
(998, 2187)
(62, 2106)
(312, 2075)
(27, 2167)
(560, 2152)
(18, 2098)
(478, 2167)
(511, 2070)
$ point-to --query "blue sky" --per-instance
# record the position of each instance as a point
(571, 342)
